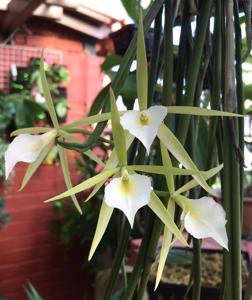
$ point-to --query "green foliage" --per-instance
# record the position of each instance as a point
(31, 292)
(25, 104)
(133, 8)
(4, 216)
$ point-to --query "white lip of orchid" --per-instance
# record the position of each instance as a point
(204, 218)
(144, 124)
(26, 148)
(128, 193)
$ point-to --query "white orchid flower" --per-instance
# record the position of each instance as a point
(26, 148)
(128, 193)
(144, 124)
(206, 218)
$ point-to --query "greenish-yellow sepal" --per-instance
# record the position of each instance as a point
(86, 184)
(175, 147)
(118, 132)
(32, 168)
(34, 130)
(67, 176)
(158, 208)
(193, 183)
(166, 244)
(142, 70)
(103, 220)
(47, 93)
(198, 111)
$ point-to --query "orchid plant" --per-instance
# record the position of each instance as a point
(129, 185)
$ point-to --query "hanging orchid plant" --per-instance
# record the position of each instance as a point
(130, 186)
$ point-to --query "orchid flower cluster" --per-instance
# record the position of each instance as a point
(129, 187)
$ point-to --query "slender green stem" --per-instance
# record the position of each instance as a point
(120, 251)
(196, 269)
(155, 56)
(194, 66)
(133, 281)
(168, 54)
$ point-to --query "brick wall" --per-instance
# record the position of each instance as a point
(27, 249)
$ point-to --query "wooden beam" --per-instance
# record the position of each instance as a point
(97, 32)
(49, 12)
(18, 12)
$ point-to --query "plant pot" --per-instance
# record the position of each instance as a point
(174, 286)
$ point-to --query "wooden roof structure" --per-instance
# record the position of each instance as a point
(69, 13)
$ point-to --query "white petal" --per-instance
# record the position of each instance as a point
(26, 148)
(207, 218)
(129, 202)
(145, 133)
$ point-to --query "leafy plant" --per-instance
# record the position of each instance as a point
(31, 292)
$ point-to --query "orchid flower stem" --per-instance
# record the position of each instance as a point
(196, 264)
(239, 86)
(150, 257)
(196, 269)
(140, 259)
(155, 57)
(120, 252)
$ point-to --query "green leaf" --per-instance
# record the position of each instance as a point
(32, 168)
(142, 69)
(158, 208)
(163, 170)
(86, 184)
(67, 176)
(193, 183)
(133, 8)
(175, 147)
(32, 293)
(111, 61)
(197, 111)
(166, 244)
(47, 94)
(103, 220)
(33, 130)
(118, 132)
(67, 135)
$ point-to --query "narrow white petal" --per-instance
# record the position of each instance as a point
(207, 218)
(26, 148)
(130, 201)
(146, 133)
